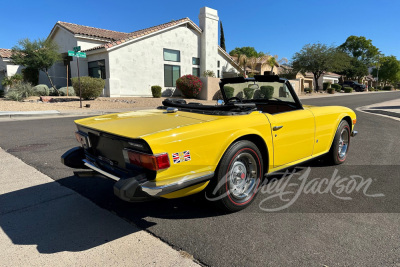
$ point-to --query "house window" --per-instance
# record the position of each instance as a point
(218, 75)
(195, 61)
(171, 74)
(196, 72)
(218, 63)
(97, 69)
(172, 55)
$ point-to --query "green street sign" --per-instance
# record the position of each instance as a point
(80, 54)
(77, 48)
(77, 54)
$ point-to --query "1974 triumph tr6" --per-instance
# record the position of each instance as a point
(183, 148)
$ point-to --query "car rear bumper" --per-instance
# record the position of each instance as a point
(138, 188)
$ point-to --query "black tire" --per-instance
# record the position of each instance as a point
(341, 144)
(238, 177)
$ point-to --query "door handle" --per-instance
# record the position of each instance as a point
(276, 128)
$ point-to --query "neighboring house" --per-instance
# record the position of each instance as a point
(6, 66)
(132, 62)
(328, 77)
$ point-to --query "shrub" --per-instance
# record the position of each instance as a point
(337, 87)
(63, 91)
(229, 91)
(379, 87)
(348, 90)
(189, 85)
(248, 93)
(156, 91)
(91, 87)
(12, 80)
(41, 90)
(1, 93)
(267, 91)
(31, 75)
(326, 85)
(371, 89)
(20, 91)
(388, 88)
(209, 73)
(331, 90)
(307, 90)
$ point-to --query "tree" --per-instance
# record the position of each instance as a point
(389, 70)
(319, 59)
(273, 60)
(38, 54)
(360, 48)
(222, 37)
(363, 54)
(246, 50)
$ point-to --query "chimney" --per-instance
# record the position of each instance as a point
(208, 19)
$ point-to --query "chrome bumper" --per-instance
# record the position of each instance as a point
(132, 190)
(354, 133)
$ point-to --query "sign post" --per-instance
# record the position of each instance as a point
(78, 54)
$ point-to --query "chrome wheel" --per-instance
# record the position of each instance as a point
(343, 143)
(243, 176)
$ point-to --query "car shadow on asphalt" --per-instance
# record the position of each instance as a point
(55, 219)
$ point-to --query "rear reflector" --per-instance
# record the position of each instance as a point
(354, 121)
(151, 162)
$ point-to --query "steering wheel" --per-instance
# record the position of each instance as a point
(234, 100)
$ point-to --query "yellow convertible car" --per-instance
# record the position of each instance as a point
(183, 148)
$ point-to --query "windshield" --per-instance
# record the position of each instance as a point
(256, 91)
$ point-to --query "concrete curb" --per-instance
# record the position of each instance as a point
(388, 112)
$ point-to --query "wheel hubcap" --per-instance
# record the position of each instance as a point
(343, 143)
(243, 176)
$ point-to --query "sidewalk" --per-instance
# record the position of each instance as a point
(45, 224)
(389, 109)
(151, 104)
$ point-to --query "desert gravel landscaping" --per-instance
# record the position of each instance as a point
(102, 103)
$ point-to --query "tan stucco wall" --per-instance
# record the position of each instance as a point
(209, 89)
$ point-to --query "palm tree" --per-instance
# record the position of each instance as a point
(273, 60)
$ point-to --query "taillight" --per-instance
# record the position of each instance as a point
(82, 139)
(151, 162)
(354, 121)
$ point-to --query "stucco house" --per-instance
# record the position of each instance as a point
(132, 62)
(6, 67)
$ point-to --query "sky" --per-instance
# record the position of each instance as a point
(280, 27)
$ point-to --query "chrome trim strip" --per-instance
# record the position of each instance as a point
(93, 167)
(153, 190)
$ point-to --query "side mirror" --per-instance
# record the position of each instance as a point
(220, 102)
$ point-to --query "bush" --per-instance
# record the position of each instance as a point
(307, 90)
(41, 90)
(209, 73)
(337, 87)
(267, 91)
(63, 91)
(229, 91)
(189, 85)
(91, 87)
(12, 80)
(326, 85)
(371, 89)
(31, 75)
(348, 90)
(248, 93)
(379, 87)
(1, 93)
(20, 91)
(331, 90)
(156, 91)
(387, 88)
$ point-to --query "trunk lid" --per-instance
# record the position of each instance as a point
(135, 124)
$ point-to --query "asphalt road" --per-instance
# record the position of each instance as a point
(314, 230)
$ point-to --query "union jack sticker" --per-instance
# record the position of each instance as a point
(176, 158)
(186, 155)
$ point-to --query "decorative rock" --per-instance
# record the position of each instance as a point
(46, 99)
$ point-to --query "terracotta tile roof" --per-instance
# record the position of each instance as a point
(140, 33)
(332, 74)
(5, 53)
(91, 31)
